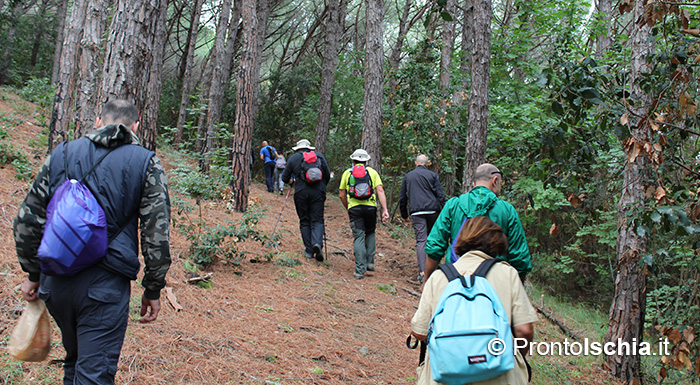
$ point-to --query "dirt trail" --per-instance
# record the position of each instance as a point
(260, 322)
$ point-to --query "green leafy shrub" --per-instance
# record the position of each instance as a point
(207, 244)
(39, 91)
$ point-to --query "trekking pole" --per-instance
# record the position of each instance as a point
(280, 216)
(325, 243)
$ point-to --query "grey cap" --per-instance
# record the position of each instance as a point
(360, 155)
(303, 144)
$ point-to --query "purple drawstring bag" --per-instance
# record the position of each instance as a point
(75, 234)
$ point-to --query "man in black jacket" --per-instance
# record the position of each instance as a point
(422, 190)
(309, 197)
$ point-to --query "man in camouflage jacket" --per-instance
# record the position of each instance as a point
(91, 308)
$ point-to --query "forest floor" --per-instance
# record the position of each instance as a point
(259, 322)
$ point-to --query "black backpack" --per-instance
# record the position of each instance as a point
(360, 183)
(311, 167)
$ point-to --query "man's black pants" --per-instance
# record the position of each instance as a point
(92, 310)
(309, 204)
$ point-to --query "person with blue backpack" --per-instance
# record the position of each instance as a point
(109, 181)
(482, 200)
(268, 155)
(471, 312)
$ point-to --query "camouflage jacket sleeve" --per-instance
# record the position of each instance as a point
(154, 213)
(28, 227)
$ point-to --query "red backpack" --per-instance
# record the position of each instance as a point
(311, 167)
(360, 183)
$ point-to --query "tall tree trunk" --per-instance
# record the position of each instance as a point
(245, 105)
(187, 75)
(374, 83)
(459, 148)
(92, 49)
(80, 50)
(479, 92)
(217, 86)
(205, 86)
(603, 41)
(626, 323)
(447, 141)
(134, 33)
(150, 121)
(9, 46)
(334, 31)
(38, 32)
(405, 25)
(61, 12)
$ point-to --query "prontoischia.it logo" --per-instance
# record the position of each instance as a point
(586, 347)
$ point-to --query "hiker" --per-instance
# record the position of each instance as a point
(280, 164)
(422, 190)
(481, 239)
(360, 187)
(92, 307)
(268, 155)
(481, 200)
(309, 194)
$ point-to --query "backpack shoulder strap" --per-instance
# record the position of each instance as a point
(450, 271)
(485, 266)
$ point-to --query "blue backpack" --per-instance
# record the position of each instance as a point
(75, 233)
(468, 327)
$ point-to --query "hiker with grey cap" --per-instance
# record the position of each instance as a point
(307, 170)
(360, 187)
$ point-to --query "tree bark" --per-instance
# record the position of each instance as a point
(150, 121)
(245, 105)
(135, 31)
(187, 74)
(447, 141)
(79, 56)
(628, 307)
(603, 42)
(479, 92)
(61, 12)
(374, 83)
(334, 31)
(218, 84)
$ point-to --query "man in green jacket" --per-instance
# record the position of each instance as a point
(480, 201)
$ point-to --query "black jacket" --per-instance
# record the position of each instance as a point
(422, 190)
(293, 168)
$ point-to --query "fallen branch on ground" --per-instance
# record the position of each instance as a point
(560, 324)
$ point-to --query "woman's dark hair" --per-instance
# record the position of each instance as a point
(481, 233)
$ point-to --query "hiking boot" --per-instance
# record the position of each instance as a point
(370, 267)
(421, 277)
(281, 192)
(308, 255)
(358, 276)
(318, 254)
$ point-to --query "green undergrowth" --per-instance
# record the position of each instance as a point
(583, 320)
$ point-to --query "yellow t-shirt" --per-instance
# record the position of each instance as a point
(505, 281)
(375, 180)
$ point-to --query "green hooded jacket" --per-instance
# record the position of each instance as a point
(480, 201)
